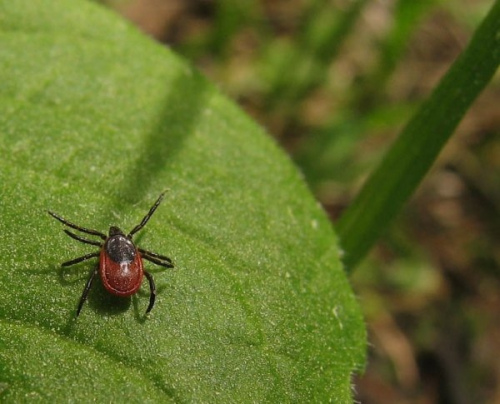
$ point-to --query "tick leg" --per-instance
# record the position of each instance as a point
(148, 254)
(80, 259)
(81, 239)
(146, 218)
(156, 261)
(76, 227)
(152, 288)
(86, 290)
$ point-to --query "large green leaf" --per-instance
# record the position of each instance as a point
(95, 121)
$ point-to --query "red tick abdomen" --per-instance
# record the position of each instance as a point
(121, 279)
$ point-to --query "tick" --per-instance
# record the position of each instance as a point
(120, 264)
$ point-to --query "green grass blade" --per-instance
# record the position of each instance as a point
(418, 146)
